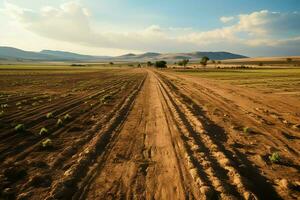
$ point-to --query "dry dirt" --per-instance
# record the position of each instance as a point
(146, 134)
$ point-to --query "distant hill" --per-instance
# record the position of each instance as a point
(70, 56)
(180, 56)
(10, 53)
(198, 55)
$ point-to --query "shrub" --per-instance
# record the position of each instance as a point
(49, 115)
(20, 128)
(43, 131)
(275, 157)
(18, 103)
(47, 143)
(59, 122)
(67, 117)
(1, 113)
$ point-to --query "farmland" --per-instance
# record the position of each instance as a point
(142, 133)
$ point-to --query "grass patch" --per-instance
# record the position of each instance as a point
(276, 79)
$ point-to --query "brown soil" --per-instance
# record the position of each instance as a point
(147, 134)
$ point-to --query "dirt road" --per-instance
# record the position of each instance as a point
(180, 137)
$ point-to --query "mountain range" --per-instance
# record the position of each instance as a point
(14, 54)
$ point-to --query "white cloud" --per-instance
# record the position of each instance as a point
(226, 19)
(72, 22)
(266, 22)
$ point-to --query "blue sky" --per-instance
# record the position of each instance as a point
(113, 27)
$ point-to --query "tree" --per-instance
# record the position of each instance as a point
(184, 62)
(149, 63)
(204, 60)
(288, 60)
(111, 63)
(161, 64)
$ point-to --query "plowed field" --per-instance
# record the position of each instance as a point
(144, 134)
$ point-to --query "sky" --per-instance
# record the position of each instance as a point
(114, 27)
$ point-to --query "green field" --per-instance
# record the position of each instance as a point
(278, 80)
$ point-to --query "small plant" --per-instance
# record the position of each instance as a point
(275, 157)
(4, 105)
(43, 131)
(47, 143)
(35, 104)
(106, 98)
(49, 115)
(67, 117)
(59, 122)
(248, 130)
(20, 128)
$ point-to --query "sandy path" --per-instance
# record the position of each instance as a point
(142, 163)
